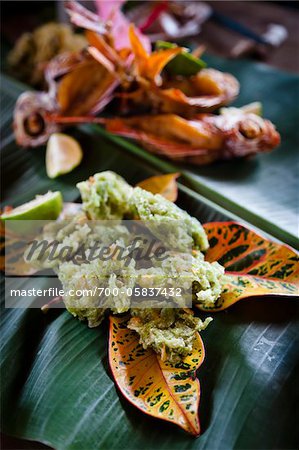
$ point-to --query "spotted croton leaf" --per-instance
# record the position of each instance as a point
(12, 249)
(254, 265)
(165, 185)
(159, 389)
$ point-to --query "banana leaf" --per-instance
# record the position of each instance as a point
(57, 387)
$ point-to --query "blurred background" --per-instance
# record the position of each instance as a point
(266, 31)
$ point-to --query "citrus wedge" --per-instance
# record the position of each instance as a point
(63, 154)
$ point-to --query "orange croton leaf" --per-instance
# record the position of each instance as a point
(159, 389)
(254, 265)
(164, 185)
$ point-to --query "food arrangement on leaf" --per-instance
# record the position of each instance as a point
(154, 352)
(127, 83)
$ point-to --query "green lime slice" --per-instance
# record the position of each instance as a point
(184, 64)
(63, 154)
(43, 207)
(255, 108)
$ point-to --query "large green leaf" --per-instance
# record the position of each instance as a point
(56, 384)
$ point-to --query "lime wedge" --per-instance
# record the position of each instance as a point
(43, 207)
(63, 155)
